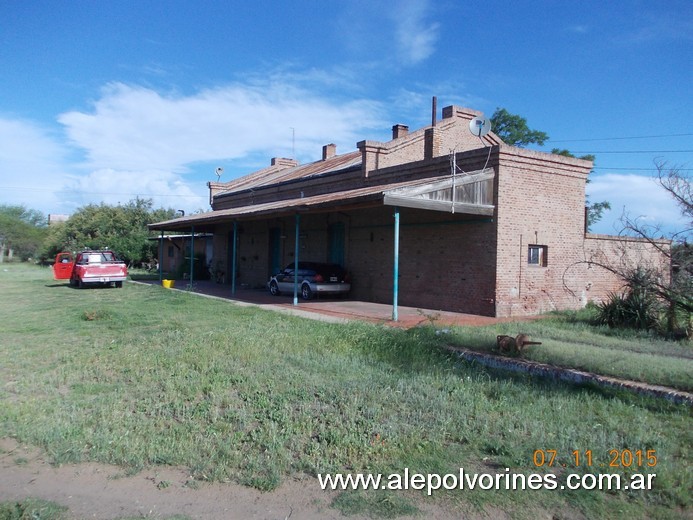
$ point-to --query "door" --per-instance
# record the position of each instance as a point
(62, 268)
(335, 241)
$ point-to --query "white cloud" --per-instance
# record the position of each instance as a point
(134, 127)
(119, 186)
(579, 29)
(32, 164)
(636, 195)
(36, 171)
(136, 141)
(416, 38)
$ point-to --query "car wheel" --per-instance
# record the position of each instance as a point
(80, 283)
(274, 288)
(119, 285)
(306, 292)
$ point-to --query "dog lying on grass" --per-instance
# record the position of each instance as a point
(514, 345)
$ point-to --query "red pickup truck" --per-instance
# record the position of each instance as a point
(90, 268)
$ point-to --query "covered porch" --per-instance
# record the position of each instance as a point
(360, 229)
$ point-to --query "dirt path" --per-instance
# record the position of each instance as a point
(104, 492)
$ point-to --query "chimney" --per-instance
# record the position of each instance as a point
(431, 143)
(329, 151)
(399, 131)
(283, 162)
(434, 111)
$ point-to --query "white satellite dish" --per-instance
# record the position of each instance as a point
(219, 171)
(480, 126)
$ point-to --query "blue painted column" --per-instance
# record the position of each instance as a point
(233, 257)
(298, 225)
(192, 255)
(395, 285)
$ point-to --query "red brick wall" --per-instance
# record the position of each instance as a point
(445, 261)
(540, 200)
(620, 254)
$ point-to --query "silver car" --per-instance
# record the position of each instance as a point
(313, 278)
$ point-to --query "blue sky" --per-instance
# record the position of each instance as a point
(109, 100)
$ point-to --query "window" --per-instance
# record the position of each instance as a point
(537, 255)
(170, 251)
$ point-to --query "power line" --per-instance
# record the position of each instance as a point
(80, 192)
(638, 169)
(631, 151)
(616, 138)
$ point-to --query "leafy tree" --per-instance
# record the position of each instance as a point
(122, 228)
(679, 292)
(670, 282)
(22, 231)
(513, 129)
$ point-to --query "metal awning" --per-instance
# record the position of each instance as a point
(469, 193)
(473, 195)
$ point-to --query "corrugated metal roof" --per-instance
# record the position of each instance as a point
(340, 198)
(269, 176)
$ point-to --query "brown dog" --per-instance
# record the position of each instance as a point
(516, 344)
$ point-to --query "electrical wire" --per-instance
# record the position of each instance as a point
(631, 151)
(615, 138)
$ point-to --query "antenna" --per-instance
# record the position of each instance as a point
(480, 126)
(219, 171)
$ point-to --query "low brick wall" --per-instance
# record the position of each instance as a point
(572, 376)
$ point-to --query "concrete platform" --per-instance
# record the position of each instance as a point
(338, 309)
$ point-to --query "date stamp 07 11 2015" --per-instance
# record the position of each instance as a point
(615, 458)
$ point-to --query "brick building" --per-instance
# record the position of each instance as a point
(482, 227)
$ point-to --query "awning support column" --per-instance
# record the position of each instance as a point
(161, 256)
(233, 257)
(395, 284)
(298, 225)
(192, 254)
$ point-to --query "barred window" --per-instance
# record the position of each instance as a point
(537, 255)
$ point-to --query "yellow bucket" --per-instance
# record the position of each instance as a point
(168, 284)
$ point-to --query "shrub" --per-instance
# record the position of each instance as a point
(634, 309)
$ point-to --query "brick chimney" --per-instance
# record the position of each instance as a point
(329, 151)
(431, 143)
(284, 162)
(399, 131)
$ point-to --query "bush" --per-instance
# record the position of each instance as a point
(633, 309)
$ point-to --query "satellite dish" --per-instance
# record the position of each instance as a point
(480, 126)
(219, 171)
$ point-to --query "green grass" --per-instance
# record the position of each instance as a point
(37, 509)
(241, 394)
(32, 509)
(569, 340)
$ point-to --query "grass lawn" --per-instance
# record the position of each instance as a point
(569, 340)
(141, 376)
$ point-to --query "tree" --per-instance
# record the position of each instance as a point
(513, 129)
(122, 228)
(678, 293)
(22, 231)
(669, 284)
